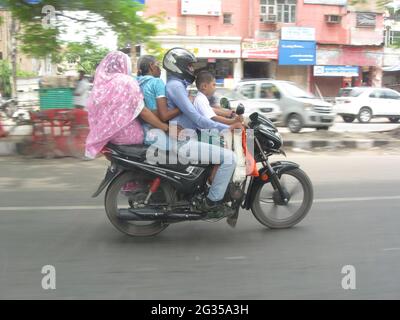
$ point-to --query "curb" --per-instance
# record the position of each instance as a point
(8, 148)
(363, 144)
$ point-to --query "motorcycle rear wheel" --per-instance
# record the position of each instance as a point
(301, 194)
(135, 228)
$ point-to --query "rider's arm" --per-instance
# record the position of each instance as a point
(163, 111)
(180, 98)
(165, 114)
(152, 119)
(224, 120)
(223, 112)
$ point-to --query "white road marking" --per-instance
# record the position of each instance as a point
(52, 208)
(356, 199)
(235, 258)
(73, 208)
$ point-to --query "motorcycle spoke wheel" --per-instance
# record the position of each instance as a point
(277, 216)
(123, 193)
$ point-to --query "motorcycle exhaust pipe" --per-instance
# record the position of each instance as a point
(151, 215)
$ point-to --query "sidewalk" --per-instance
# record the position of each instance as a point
(329, 140)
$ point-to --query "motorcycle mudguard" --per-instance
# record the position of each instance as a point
(111, 174)
(283, 166)
(278, 167)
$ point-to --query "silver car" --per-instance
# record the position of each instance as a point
(300, 108)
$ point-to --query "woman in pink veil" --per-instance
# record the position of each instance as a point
(114, 106)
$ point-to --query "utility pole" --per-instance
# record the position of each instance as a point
(13, 53)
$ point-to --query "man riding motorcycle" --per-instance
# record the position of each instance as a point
(178, 63)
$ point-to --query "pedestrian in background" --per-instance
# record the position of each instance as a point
(81, 91)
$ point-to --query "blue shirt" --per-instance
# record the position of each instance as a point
(190, 118)
(152, 89)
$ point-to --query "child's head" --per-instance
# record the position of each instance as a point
(205, 83)
(148, 65)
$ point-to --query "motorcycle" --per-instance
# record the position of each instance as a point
(8, 107)
(143, 199)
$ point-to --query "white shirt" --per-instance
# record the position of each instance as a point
(82, 89)
(203, 107)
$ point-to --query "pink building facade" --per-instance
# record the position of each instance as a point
(240, 39)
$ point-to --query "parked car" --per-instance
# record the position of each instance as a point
(228, 98)
(300, 109)
(365, 103)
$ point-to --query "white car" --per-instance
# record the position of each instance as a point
(365, 103)
(268, 109)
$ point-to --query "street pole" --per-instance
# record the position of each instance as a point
(13, 54)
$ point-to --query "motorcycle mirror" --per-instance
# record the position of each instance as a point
(224, 103)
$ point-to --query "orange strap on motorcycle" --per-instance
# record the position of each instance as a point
(251, 165)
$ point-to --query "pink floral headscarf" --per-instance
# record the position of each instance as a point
(114, 105)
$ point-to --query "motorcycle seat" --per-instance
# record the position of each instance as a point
(139, 152)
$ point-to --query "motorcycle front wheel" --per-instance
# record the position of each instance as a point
(275, 216)
(128, 189)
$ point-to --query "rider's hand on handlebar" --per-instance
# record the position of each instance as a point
(236, 125)
(239, 118)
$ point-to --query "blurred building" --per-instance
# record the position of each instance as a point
(391, 75)
(322, 44)
(24, 63)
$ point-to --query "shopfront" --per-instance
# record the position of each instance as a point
(223, 69)
(341, 65)
(391, 69)
(259, 58)
(297, 55)
(220, 55)
(329, 79)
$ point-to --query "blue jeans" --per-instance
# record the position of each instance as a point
(209, 154)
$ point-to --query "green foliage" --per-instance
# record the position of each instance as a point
(5, 75)
(26, 74)
(380, 3)
(153, 48)
(120, 16)
(86, 54)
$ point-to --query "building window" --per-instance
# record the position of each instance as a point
(283, 10)
(227, 18)
(392, 38)
(366, 19)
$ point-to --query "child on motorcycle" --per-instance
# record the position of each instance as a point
(205, 83)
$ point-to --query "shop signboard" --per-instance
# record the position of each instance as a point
(350, 56)
(336, 71)
(215, 51)
(263, 49)
(202, 7)
(297, 53)
(298, 34)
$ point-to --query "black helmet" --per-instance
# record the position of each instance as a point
(178, 62)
